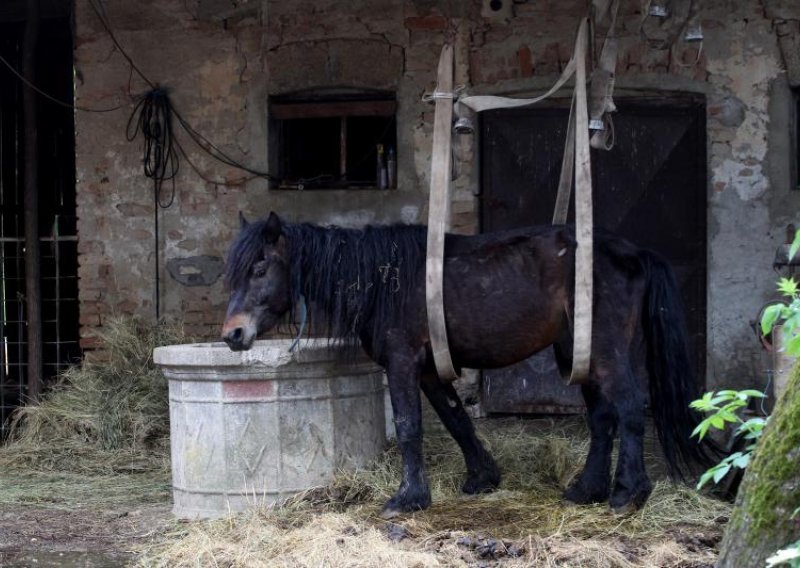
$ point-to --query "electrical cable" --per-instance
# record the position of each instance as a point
(215, 152)
(152, 117)
(107, 27)
(50, 97)
(202, 142)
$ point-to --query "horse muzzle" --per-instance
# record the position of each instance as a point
(239, 332)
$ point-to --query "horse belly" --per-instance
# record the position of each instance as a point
(505, 303)
(500, 333)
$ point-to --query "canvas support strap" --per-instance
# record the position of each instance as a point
(480, 103)
(439, 218)
(561, 209)
(601, 99)
(582, 318)
(576, 164)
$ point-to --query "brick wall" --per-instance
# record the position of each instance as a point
(221, 64)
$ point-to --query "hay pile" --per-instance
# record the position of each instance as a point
(105, 416)
(524, 524)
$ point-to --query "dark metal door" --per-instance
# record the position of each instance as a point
(650, 188)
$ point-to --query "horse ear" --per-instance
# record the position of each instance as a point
(273, 228)
(242, 221)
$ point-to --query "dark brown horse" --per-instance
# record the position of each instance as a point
(507, 296)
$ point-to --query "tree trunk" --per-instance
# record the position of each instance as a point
(770, 492)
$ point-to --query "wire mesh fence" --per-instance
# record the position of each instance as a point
(59, 303)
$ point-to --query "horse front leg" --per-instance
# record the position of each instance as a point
(483, 475)
(403, 372)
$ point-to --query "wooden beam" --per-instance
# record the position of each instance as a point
(31, 204)
(284, 111)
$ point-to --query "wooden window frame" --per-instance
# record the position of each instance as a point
(285, 110)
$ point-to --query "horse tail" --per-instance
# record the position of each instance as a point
(672, 382)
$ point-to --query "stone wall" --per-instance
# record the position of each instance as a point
(221, 60)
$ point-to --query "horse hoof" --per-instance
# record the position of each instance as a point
(405, 502)
(481, 484)
(576, 495)
(625, 509)
(390, 513)
(484, 480)
(622, 502)
(471, 487)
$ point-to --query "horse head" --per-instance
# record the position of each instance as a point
(258, 279)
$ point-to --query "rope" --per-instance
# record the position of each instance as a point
(431, 97)
(303, 320)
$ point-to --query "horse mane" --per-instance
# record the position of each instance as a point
(356, 281)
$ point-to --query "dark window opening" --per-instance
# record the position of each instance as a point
(341, 142)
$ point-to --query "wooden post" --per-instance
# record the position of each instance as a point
(31, 204)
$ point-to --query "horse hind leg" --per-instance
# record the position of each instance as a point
(631, 486)
(593, 485)
(483, 475)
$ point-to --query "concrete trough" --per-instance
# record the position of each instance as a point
(257, 426)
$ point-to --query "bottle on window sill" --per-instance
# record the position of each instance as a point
(391, 168)
(381, 174)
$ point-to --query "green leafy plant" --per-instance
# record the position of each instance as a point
(789, 555)
(786, 314)
(722, 408)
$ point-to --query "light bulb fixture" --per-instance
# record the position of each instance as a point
(659, 10)
(694, 33)
(463, 126)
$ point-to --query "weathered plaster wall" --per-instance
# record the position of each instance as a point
(221, 60)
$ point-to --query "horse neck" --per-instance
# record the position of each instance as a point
(355, 278)
(321, 261)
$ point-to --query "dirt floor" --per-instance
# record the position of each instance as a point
(69, 520)
(72, 520)
(53, 537)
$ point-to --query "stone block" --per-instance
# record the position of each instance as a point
(200, 270)
(90, 247)
(525, 61)
(307, 65)
(789, 42)
(135, 209)
(426, 23)
(782, 9)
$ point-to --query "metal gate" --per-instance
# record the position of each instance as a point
(57, 221)
(651, 189)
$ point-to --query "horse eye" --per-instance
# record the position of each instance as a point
(259, 271)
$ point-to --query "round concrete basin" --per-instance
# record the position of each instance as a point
(256, 426)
